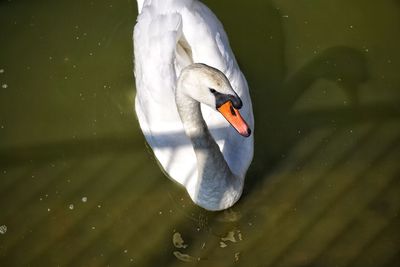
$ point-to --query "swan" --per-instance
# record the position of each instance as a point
(189, 90)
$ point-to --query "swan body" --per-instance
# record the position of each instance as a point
(185, 72)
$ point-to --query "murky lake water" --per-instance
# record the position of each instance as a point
(78, 187)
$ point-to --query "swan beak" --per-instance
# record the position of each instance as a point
(233, 116)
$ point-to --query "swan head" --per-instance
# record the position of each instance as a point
(211, 87)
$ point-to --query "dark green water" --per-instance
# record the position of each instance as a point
(78, 187)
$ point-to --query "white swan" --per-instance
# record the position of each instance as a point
(177, 98)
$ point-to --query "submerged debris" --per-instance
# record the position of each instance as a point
(178, 242)
(3, 229)
(237, 256)
(185, 257)
(229, 237)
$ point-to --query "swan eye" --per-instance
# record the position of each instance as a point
(212, 91)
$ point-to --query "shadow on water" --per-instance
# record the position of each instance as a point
(322, 190)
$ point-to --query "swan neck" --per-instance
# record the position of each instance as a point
(217, 187)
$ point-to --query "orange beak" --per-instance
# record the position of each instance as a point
(233, 116)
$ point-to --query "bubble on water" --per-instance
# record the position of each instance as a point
(3, 229)
(71, 206)
(4, 86)
(84, 199)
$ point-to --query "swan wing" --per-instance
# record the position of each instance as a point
(155, 39)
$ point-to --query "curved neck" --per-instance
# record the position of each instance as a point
(216, 186)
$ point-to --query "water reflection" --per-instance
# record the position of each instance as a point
(323, 189)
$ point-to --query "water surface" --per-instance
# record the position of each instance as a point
(79, 187)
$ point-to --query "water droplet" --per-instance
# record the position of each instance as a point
(84, 199)
(1, 70)
(4, 85)
(3, 229)
(71, 206)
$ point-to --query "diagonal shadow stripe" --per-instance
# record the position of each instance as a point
(101, 183)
